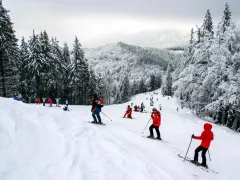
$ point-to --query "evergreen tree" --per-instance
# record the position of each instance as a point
(226, 20)
(77, 70)
(167, 86)
(35, 65)
(208, 25)
(152, 82)
(191, 37)
(142, 86)
(24, 83)
(9, 56)
(123, 94)
(66, 62)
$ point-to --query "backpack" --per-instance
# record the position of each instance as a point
(100, 102)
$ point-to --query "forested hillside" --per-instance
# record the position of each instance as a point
(208, 76)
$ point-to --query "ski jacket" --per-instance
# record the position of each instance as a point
(129, 111)
(156, 117)
(206, 136)
(135, 108)
(96, 103)
(50, 100)
(38, 101)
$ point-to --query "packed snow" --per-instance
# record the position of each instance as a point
(47, 143)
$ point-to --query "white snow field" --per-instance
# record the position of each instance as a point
(42, 143)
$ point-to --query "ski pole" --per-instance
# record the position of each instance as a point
(107, 116)
(146, 125)
(188, 149)
(209, 155)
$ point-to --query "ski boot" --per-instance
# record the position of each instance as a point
(158, 138)
(151, 137)
(204, 165)
(94, 122)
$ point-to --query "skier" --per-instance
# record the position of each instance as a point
(65, 108)
(156, 117)
(44, 100)
(206, 137)
(38, 101)
(66, 102)
(97, 104)
(135, 108)
(142, 107)
(50, 102)
(128, 113)
(57, 102)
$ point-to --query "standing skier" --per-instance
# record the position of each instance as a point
(142, 107)
(206, 137)
(38, 101)
(66, 102)
(156, 117)
(97, 104)
(57, 102)
(50, 102)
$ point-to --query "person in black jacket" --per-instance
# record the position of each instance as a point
(96, 109)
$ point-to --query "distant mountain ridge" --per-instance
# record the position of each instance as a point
(124, 59)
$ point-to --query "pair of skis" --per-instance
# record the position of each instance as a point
(97, 123)
(198, 165)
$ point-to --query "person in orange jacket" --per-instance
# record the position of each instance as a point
(156, 117)
(128, 112)
(135, 108)
(207, 136)
(38, 101)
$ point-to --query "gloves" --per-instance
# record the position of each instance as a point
(193, 136)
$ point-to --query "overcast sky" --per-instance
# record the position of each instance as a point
(97, 22)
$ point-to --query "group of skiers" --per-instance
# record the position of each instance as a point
(49, 100)
(138, 108)
(206, 136)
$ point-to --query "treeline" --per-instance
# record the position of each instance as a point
(208, 77)
(126, 89)
(39, 67)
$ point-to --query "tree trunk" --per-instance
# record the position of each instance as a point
(3, 76)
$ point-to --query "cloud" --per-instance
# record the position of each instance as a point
(106, 21)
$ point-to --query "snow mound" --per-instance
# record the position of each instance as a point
(42, 143)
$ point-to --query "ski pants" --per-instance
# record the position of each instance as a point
(204, 150)
(157, 130)
(96, 115)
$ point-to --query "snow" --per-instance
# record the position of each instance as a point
(42, 143)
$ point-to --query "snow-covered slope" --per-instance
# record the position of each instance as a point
(41, 143)
(121, 59)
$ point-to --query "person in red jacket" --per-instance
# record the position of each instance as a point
(128, 112)
(38, 101)
(156, 117)
(206, 137)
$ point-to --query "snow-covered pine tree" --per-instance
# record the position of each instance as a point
(226, 20)
(35, 65)
(9, 56)
(167, 83)
(142, 86)
(77, 71)
(152, 82)
(208, 26)
(92, 82)
(123, 94)
(24, 79)
(66, 62)
(57, 70)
